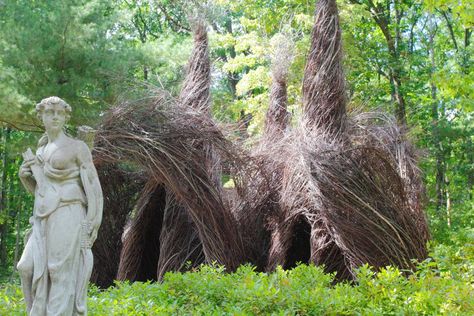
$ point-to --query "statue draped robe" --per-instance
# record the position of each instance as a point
(57, 261)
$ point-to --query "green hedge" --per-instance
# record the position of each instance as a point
(442, 285)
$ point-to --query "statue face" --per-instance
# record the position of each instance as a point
(54, 117)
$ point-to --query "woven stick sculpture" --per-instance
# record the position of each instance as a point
(336, 190)
(345, 190)
(178, 147)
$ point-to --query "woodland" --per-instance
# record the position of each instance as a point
(254, 136)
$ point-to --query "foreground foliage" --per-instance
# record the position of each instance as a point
(443, 284)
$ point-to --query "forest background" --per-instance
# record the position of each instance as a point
(412, 59)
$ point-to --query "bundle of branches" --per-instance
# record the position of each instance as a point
(380, 130)
(180, 215)
(344, 197)
(161, 139)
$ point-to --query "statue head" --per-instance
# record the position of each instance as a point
(54, 112)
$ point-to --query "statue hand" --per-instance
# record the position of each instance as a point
(93, 236)
(25, 169)
(93, 231)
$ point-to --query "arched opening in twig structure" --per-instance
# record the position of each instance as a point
(149, 223)
(160, 237)
(300, 247)
(141, 237)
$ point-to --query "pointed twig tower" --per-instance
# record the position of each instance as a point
(344, 200)
(180, 215)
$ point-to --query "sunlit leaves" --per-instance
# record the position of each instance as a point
(441, 285)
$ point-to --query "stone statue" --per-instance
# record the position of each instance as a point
(56, 263)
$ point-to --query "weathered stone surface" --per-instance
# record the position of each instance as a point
(57, 260)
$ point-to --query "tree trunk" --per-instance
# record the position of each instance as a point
(438, 148)
(439, 154)
(145, 73)
(396, 71)
(16, 256)
(232, 79)
(397, 95)
(3, 198)
(382, 17)
(470, 159)
(448, 202)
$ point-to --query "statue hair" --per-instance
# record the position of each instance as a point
(40, 108)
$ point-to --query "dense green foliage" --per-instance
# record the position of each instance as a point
(412, 59)
(442, 285)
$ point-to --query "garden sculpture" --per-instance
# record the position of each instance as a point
(57, 260)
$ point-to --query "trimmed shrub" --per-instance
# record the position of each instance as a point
(443, 284)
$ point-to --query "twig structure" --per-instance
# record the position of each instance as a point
(179, 214)
(324, 94)
(351, 193)
(334, 188)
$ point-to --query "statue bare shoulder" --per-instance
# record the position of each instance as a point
(84, 155)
